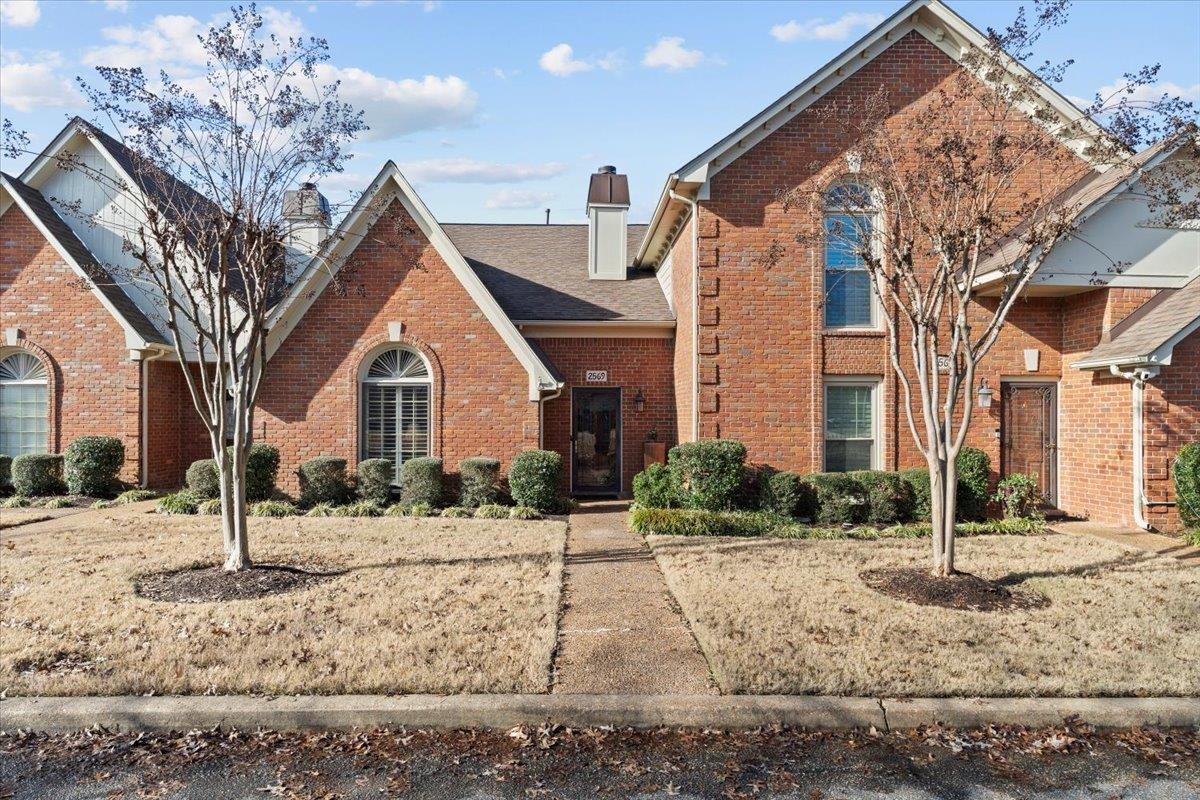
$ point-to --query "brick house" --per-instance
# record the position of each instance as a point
(457, 340)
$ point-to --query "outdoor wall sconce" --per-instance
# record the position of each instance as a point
(985, 394)
(639, 401)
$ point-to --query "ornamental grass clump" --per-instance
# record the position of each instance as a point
(480, 481)
(492, 512)
(91, 464)
(134, 496)
(524, 512)
(182, 502)
(273, 508)
(709, 472)
(456, 512)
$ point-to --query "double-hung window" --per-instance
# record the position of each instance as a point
(851, 424)
(395, 407)
(24, 412)
(850, 218)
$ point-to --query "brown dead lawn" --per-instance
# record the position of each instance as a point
(423, 605)
(794, 617)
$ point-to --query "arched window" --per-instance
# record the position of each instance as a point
(23, 405)
(850, 217)
(395, 407)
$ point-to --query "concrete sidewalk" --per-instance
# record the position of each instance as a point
(1172, 546)
(52, 714)
(619, 631)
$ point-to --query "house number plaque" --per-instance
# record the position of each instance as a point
(596, 376)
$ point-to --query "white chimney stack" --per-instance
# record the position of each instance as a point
(307, 219)
(608, 224)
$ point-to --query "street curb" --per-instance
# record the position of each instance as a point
(56, 714)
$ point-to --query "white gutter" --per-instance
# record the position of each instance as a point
(695, 311)
(144, 466)
(1138, 379)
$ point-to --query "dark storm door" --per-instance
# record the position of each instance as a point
(596, 441)
(1029, 434)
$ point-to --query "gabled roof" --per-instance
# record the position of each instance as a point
(932, 19)
(139, 330)
(540, 272)
(1148, 336)
(316, 276)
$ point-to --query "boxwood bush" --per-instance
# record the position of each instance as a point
(1186, 473)
(709, 472)
(202, 478)
(971, 496)
(38, 474)
(534, 478)
(375, 477)
(786, 494)
(888, 496)
(323, 480)
(91, 464)
(5, 473)
(656, 487)
(479, 478)
(262, 470)
(841, 499)
(421, 481)
(699, 522)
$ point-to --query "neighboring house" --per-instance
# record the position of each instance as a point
(456, 340)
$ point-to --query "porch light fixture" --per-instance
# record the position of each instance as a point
(985, 394)
(639, 401)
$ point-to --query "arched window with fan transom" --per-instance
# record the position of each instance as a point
(24, 404)
(395, 420)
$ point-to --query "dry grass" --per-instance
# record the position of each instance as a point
(425, 605)
(793, 617)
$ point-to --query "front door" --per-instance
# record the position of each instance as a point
(596, 441)
(1029, 434)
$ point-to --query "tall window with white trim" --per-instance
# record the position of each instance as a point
(395, 407)
(24, 408)
(850, 215)
(851, 439)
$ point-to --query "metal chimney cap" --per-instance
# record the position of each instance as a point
(607, 169)
(308, 186)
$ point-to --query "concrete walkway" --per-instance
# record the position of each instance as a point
(619, 631)
(1172, 546)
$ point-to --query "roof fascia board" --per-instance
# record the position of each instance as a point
(133, 340)
(303, 294)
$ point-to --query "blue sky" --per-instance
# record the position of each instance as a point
(497, 111)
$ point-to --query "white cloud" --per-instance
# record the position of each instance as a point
(505, 74)
(117, 5)
(426, 5)
(1147, 93)
(559, 60)
(30, 84)
(468, 170)
(283, 24)
(396, 107)
(818, 29)
(669, 52)
(19, 13)
(519, 198)
(167, 40)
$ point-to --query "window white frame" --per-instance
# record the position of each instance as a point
(411, 369)
(874, 384)
(22, 369)
(875, 212)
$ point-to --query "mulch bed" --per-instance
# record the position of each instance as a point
(961, 592)
(214, 584)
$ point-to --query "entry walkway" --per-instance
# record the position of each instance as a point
(620, 631)
(1134, 537)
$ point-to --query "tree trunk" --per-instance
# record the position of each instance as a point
(950, 511)
(937, 509)
(233, 513)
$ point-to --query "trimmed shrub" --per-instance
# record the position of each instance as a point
(1192, 537)
(655, 487)
(479, 477)
(709, 472)
(262, 470)
(363, 508)
(491, 512)
(202, 478)
(210, 507)
(375, 480)
(697, 522)
(888, 496)
(1186, 473)
(134, 496)
(323, 480)
(182, 502)
(5, 472)
(841, 499)
(91, 464)
(534, 477)
(456, 512)
(917, 479)
(971, 496)
(273, 508)
(1018, 494)
(524, 512)
(421, 481)
(786, 494)
(38, 474)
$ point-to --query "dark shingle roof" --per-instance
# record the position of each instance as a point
(539, 272)
(1156, 323)
(103, 280)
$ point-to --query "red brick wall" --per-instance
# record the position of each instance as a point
(93, 386)
(1172, 409)
(632, 364)
(480, 398)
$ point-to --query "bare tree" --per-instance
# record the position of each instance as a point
(208, 160)
(978, 178)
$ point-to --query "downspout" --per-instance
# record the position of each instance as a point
(1137, 380)
(695, 311)
(143, 445)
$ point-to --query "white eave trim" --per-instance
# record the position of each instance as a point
(316, 276)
